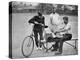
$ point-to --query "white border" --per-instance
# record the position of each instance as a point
(4, 25)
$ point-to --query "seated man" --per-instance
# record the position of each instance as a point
(61, 36)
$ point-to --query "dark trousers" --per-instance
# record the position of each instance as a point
(59, 41)
(36, 33)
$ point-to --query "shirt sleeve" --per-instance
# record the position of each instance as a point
(68, 26)
(43, 22)
(51, 16)
(32, 20)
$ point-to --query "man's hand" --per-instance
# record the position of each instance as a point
(42, 24)
(39, 23)
(36, 22)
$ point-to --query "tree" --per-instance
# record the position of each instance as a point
(45, 8)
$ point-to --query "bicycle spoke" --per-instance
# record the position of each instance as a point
(27, 46)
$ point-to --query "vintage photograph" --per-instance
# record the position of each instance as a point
(42, 29)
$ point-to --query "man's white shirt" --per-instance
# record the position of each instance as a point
(68, 28)
(55, 18)
(55, 22)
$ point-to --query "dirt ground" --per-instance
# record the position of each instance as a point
(21, 29)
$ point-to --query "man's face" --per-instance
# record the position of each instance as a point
(65, 21)
(54, 10)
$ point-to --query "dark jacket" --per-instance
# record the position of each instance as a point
(39, 20)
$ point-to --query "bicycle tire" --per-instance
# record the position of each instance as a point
(23, 43)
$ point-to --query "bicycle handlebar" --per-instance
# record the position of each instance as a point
(44, 26)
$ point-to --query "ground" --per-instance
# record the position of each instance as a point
(21, 29)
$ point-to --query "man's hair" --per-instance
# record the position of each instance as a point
(66, 18)
(39, 13)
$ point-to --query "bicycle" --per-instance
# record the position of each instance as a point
(28, 45)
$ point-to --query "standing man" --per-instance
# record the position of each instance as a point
(55, 21)
(55, 24)
(38, 22)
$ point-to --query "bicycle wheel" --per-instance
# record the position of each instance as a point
(27, 46)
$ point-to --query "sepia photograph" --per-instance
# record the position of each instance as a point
(42, 29)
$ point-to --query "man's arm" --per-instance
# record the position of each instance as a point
(63, 30)
(32, 20)
(68, 27)
(51, 21)
(43, 20)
